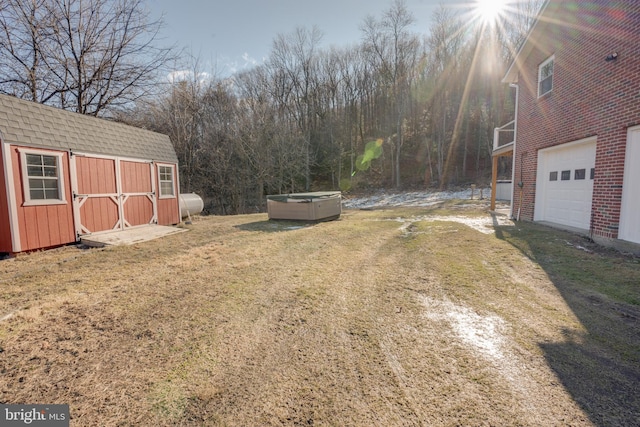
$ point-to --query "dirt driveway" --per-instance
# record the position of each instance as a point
(434, 316)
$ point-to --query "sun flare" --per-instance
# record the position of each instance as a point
(490, 10)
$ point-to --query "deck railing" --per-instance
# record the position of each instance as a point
(504, 135)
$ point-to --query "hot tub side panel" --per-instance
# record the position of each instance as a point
(304, 210)
(327, 208)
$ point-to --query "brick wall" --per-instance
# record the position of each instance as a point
(590, 97)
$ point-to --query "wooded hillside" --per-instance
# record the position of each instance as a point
(399, 109)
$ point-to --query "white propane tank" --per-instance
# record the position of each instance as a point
(190, 204)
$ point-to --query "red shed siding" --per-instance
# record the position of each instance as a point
(590, 97)
(168, 213)
(136, 177)
(48, 225)
(5, 225)
(168, 209)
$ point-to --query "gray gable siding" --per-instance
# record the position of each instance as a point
(36, 125)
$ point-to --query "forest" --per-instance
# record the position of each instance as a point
(399, 109)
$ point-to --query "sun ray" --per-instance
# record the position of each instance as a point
(489, 11)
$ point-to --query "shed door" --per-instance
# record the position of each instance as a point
(112, 194)
(95, 195)
(629, 214)
(564, 185)
(137, 194)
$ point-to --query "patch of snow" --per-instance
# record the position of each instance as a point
(411, 198)
(483, 224)
(6, 317)
(483, 334)
(582, 248)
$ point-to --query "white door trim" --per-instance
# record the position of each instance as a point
(14, 222)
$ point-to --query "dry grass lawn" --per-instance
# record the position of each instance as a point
(385, 317)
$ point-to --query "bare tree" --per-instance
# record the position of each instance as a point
(25, 28)
(304, 118)
(443, 81)
(515, 25)
(295, 56)
(82, 55)
(395, 51)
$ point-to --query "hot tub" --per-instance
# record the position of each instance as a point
(316, 206)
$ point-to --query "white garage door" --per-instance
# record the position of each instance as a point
(629, 215)
(564, 185)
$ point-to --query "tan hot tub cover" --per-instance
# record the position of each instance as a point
(315, 206)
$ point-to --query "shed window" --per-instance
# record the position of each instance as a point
(165, 178)
(42, 178)
(545, 76)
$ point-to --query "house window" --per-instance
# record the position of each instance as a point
(42, 178)
(580, 174)
(566, 175)
(545, 76)
(593, 173)
(553, 176)
(165, 178)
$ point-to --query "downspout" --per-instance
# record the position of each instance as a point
(515, 139)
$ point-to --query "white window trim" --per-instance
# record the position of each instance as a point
(25, 178)
(552, 58)
(173, 181)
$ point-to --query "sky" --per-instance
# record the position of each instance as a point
(232, 35)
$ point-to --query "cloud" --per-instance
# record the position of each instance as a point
(248, 60)
(223, 67)
(188, 75)
(239, 63)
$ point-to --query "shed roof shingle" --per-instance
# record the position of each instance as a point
(37, 125)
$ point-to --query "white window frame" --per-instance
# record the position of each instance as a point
(173, 182)
(28, 201)
(541, 67)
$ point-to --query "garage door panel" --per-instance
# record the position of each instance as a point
(565, 201)
(629, 213)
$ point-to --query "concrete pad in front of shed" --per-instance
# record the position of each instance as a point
(129, 236)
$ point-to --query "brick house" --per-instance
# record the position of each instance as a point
(575, 140)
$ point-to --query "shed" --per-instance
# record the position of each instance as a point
(67, 175)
